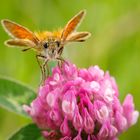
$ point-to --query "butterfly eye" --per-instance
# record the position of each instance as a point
(45, 45)
(58, 43)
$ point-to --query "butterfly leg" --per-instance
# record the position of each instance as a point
(43, 67)
(60, 61)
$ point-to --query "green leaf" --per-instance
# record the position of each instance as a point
(29, 132)
(13, 95)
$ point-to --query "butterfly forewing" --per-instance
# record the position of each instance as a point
(71, 25)
(17, 31)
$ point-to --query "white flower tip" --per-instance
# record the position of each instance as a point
(56, 77)
(50, 99)
(108, 95)
(53, 83)
(103, 113)
(95, 86)
(135, 116)
(68, 107)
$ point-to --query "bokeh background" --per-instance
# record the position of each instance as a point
(114, 46)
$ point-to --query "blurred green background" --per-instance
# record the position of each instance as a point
(114, 46)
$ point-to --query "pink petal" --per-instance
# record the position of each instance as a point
(88, 122)
(69, 103)
(129, 112)
(64, 128)
(121, 121)
(77, 120)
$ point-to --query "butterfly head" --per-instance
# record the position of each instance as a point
(51, 48)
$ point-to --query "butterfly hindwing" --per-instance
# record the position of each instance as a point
(78, 36)
(20, 43)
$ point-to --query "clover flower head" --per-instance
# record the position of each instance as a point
(80, 104)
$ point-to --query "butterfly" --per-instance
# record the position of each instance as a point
(48, 45)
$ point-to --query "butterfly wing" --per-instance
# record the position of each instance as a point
(20, 43)
(17, 31)
(78, 36)
(72, 25)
